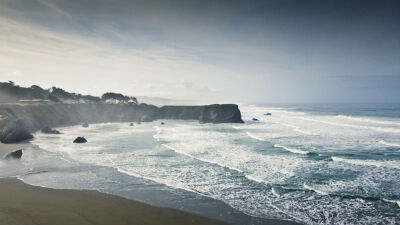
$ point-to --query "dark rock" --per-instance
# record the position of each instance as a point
(254, 119)
(15, 132)
(80, 140)
(85, 124)
(268, 114)
(138, 122)
(48, 130)
(131, 124)
(227, 113)
(162, 123)
(14, 155)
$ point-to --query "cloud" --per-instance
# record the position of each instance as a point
(53, 7)
(186, 84)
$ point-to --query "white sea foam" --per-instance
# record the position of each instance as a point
(254, 136)
(296, 129)
(397, 202)
(237, 127)
(314, 189)
(369, 120)
(254, 179)
(360, 162)
(158, 132)
(292, 150)
(202, 159)
(375, 128)
(389, 144)
(274, 192)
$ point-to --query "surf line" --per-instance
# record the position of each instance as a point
(254, 136)
(292, 150)
(247, 176)
(158, 129)
(389, 144)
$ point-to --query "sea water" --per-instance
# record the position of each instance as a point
(315, 164)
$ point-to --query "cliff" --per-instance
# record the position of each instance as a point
(17, 120)
(226, 113)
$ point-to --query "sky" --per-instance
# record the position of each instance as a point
(277, 51)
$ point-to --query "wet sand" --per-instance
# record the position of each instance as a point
(23, 204)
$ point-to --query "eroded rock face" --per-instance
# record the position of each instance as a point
(80, 140)
(15, 132)
(227, 113)
(14, 155)
(48, 130)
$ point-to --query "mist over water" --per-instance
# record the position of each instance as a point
(313, 164)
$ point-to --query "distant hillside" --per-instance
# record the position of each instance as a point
(165, 101)
(12, 93)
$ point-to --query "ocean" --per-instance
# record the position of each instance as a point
(311, 163)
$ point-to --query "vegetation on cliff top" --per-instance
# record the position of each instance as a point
(11, 93)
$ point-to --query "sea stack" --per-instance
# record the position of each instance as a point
(48, 130)
(80, 140)
(14, 155)
(226, 113)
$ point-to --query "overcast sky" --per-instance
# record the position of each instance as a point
(217, 51)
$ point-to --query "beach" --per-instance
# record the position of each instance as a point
(25, 204)
(21, 203)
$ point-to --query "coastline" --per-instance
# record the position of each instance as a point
(21, 203)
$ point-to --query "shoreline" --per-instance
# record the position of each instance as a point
(21, 203)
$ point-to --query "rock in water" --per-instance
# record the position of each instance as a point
(162, 123)
(48, 130)
(85, 124)
(268, 114)
(255, 119)
(131, 124)
(14, 155)
(226, 113)
(80, 140)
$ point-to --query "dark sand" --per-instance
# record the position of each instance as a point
(22, 204)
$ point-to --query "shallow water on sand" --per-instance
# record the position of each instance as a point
(316, 165)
